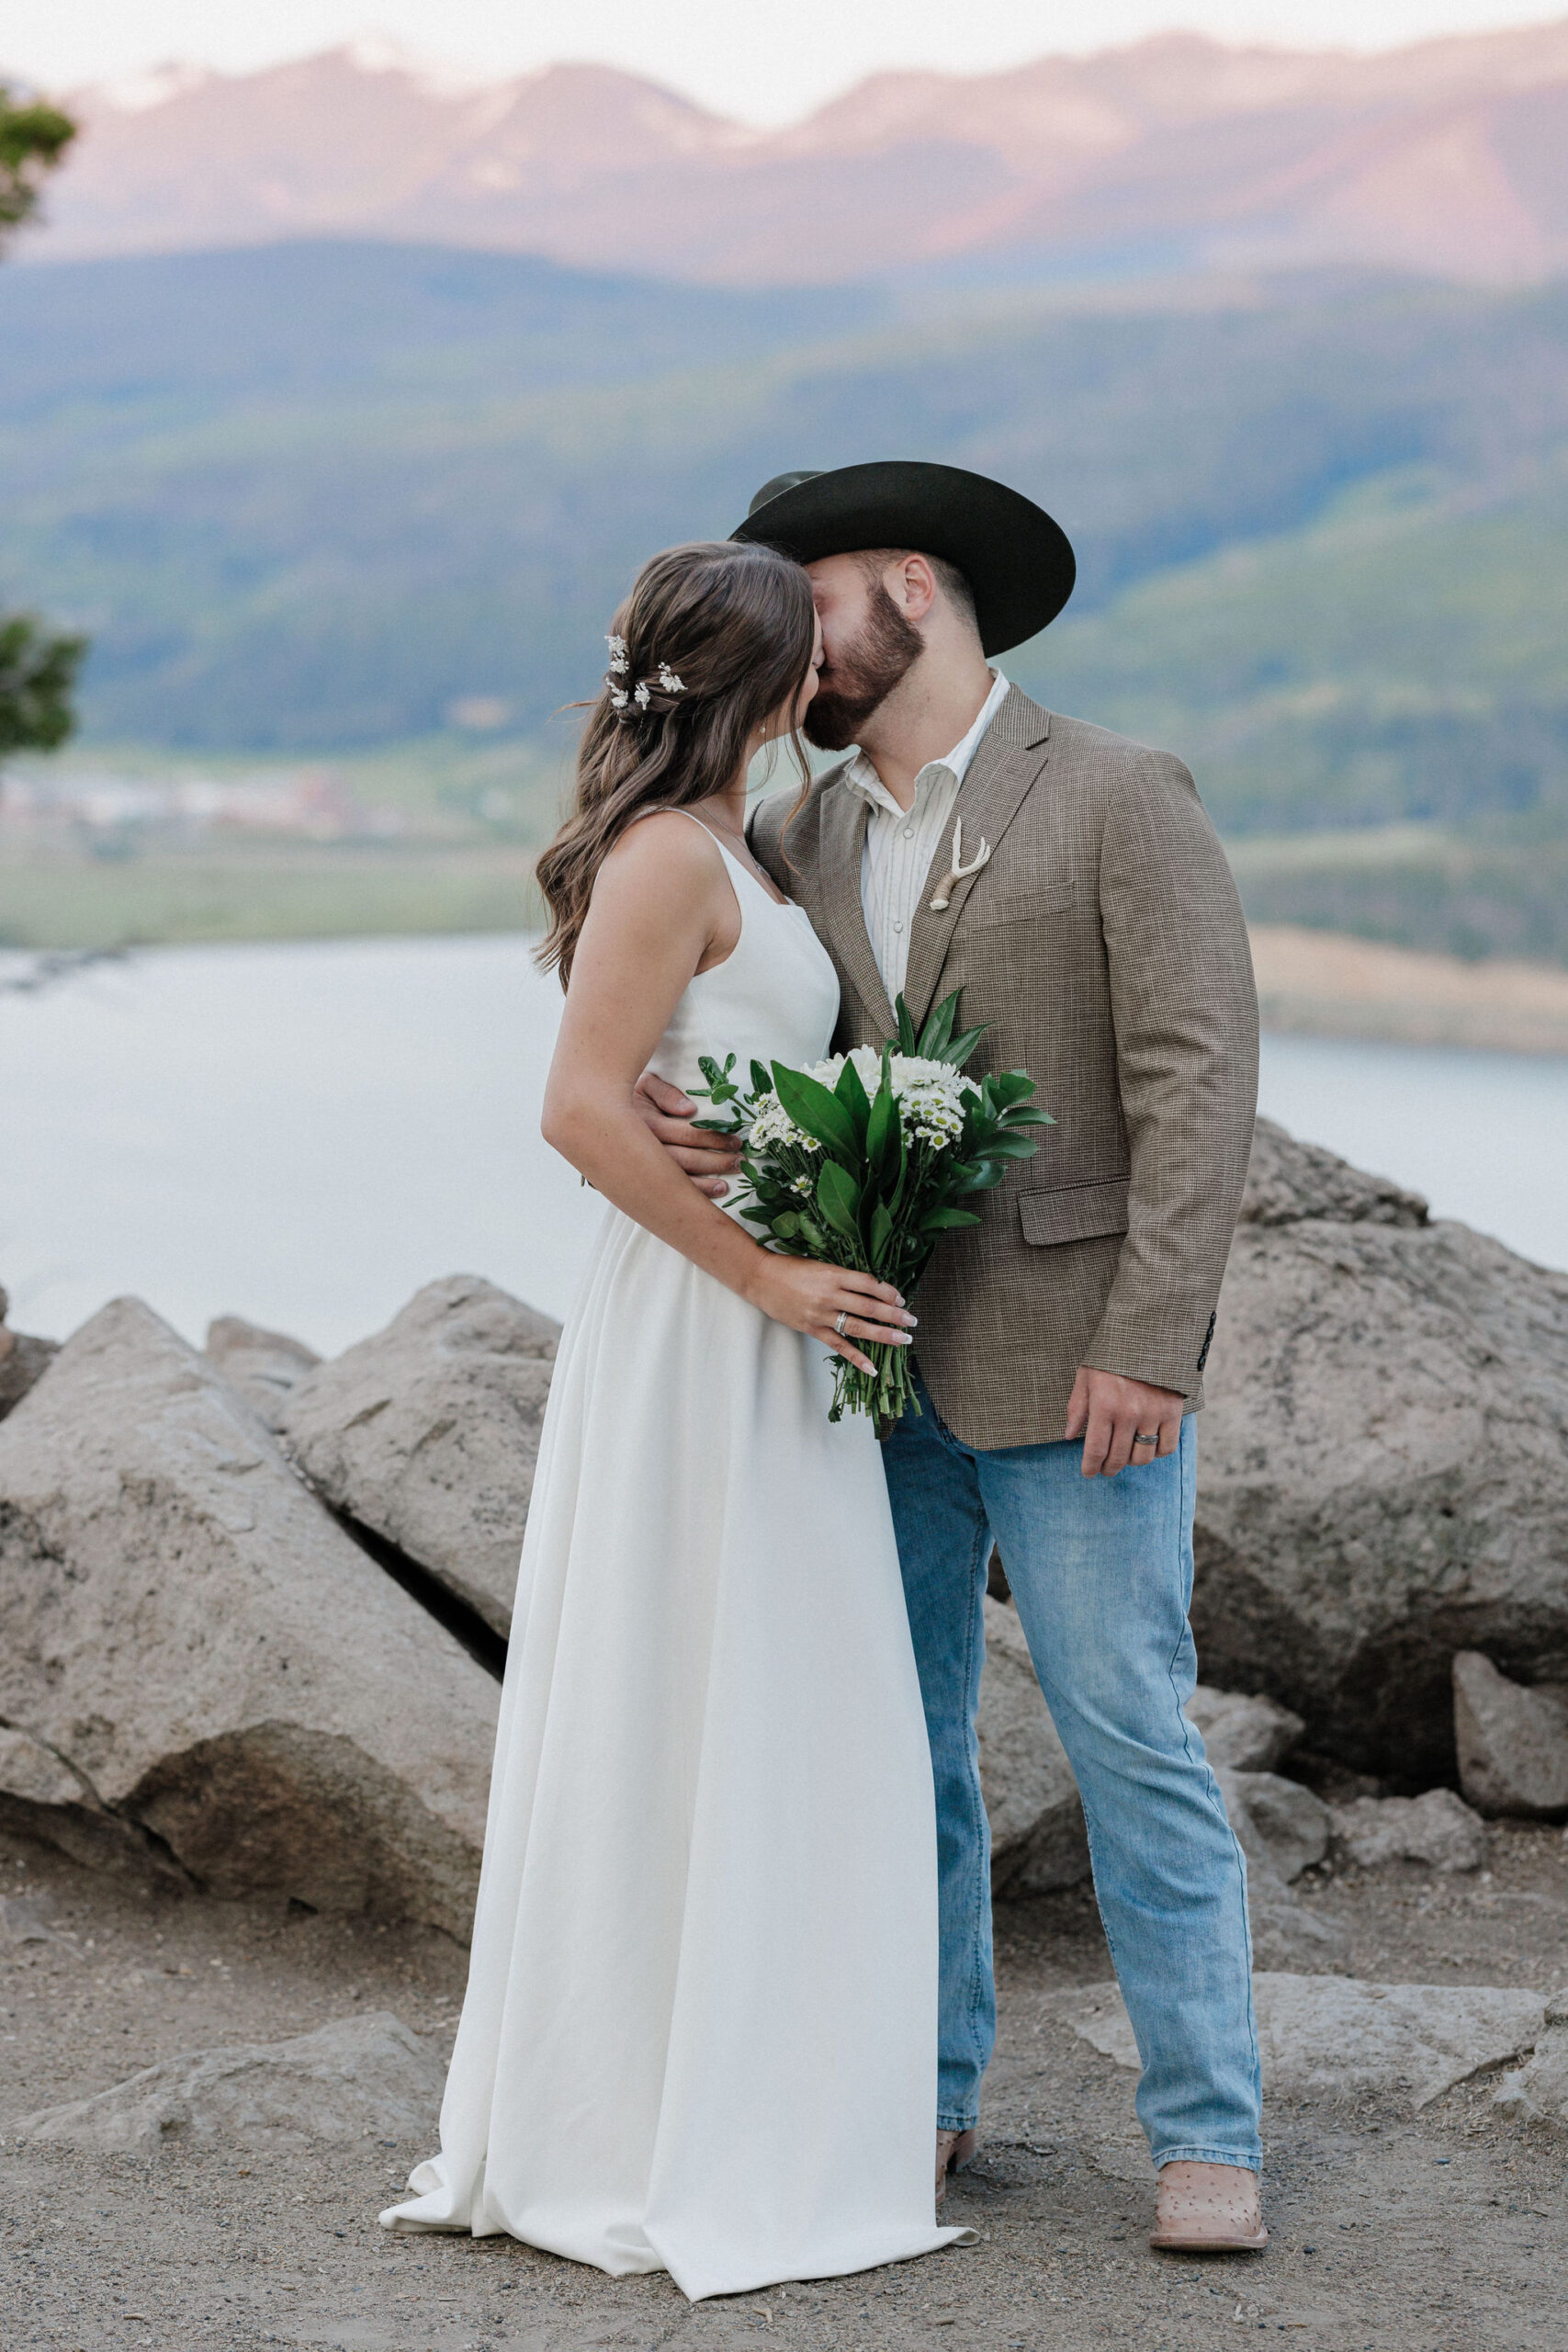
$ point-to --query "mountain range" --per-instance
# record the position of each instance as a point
(1173, 155)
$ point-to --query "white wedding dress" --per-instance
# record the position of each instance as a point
(700, 2027)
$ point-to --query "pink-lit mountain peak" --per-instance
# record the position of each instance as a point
(1437, 156)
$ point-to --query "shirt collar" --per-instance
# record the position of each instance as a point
(862, 777)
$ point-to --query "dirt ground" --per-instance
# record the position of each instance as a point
(1442, 2233)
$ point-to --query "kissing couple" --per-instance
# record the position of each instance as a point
(731, 1990)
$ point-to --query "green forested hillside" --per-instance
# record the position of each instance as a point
(322, 498)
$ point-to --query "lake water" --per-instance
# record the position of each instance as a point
(303, 1134)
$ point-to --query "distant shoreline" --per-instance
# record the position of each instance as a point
(1325, 983)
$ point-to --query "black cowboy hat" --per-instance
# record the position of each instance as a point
(1018, 562)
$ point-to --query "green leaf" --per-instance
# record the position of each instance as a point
(851, 1092)
(959, 1048)
(945, 1220)
(938, 1030)
(837, 1197)
(786, 1223)
(881, 1234)
(1011, 1146)
(812, 1236)
(817, 1112)
(906, 1028)
(882, 1131)
(761, 1081)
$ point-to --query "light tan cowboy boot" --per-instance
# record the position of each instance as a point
(1208, 2208)
(953, 2150)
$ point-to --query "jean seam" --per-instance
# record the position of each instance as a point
(1200, 2153)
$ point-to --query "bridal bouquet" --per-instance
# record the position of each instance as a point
(865, 1159)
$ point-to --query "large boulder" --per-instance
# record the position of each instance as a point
(428, 1434)
(263, 1365)
(208, 1655)
(1539, 2092)
(23, 1360)
(1383, 1463)
(357, 2078)
(1512, 1743)
(1337, 2036)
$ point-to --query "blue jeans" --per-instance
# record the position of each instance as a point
(1101, 1572)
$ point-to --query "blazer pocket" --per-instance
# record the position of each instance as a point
(1019, 906)
(1074, 1212)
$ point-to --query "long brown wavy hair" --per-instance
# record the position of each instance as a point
(734, 624)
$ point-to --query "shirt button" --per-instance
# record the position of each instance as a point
(897, 922)
(909, 833)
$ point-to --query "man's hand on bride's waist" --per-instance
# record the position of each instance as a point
(667, 1113)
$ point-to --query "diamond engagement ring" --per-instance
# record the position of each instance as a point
(840, 1321)
(1152, 1439)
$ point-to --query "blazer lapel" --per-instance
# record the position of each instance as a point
(845, 815)
(1014, 751)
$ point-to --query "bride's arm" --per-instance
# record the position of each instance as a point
(664, 907)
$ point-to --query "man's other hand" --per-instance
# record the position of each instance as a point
(667, 1113)
(1111, 1414)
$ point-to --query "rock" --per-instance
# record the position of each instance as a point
(1512, 1742)
(1285, 1934)
(1539, 2092)
(1288, 1181)
(362, 2076)
(1293, 1822)
(1336, 2037)
(186, 1628)
(24, 1919)
(1439, 1829)
(22, 1361)
(429, 1433)
(263, 1365)
(1248, 1735)
(1038, 1840)
(1382, 1463)
(42, 1797)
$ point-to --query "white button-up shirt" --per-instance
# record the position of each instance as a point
(901, 843)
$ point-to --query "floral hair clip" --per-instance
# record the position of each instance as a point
(640, 698)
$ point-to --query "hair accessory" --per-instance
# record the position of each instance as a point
(640, 698)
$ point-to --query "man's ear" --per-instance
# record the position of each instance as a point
(911, 583)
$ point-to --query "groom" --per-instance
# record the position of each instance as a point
(1069, 882)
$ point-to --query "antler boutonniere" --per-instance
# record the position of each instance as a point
(957, 869)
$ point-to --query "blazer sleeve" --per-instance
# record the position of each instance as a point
(1185, 1010)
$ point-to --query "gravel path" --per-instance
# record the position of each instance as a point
(1444, 2232)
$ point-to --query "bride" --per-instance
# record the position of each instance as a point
(700, 2027)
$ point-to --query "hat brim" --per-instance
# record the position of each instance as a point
(1018, 561)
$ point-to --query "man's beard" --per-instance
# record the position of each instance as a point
(863, 676)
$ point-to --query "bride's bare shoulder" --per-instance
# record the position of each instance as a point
(666, 846)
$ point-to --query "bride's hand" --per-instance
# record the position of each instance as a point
(809, 1297)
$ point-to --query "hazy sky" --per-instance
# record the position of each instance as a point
(765, 60)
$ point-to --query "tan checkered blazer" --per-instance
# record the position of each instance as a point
(1105, 945)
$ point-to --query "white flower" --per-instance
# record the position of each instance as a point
(619, 664)
(772, 1129)
(641, 696)
(931, 1095)
(618, 699)
(666, 679)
